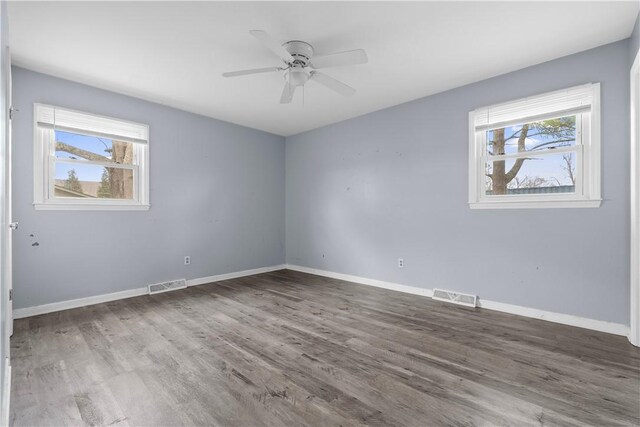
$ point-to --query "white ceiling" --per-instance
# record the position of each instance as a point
(174, 52)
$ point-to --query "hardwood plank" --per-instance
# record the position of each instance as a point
(289, 348)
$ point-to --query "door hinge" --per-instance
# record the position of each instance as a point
(10, 294)
(10, 113)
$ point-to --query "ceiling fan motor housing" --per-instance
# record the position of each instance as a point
(301, 52)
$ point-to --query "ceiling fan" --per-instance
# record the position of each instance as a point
(300, 65)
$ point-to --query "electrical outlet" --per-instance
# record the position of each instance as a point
(400, 263)
(187, 260)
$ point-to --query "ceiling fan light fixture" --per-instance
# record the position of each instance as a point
(297, 76)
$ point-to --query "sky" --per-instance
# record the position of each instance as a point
(89, 143)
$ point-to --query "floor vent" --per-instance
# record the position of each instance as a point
(167, 286)
(455, 297)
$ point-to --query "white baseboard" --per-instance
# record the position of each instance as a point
(75, 303)
(565, 319)
(97, 299)
(364, 281)
(6, 393)
(550, 316)
(227, 276)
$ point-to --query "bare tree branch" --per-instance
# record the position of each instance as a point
(513, 135)
(61, 146)
(569, 168)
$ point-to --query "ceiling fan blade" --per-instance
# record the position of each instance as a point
(287, 93)
(272, 45)
(350, 57)
(252, 71)
(332, 83)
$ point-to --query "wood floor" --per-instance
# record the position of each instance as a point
(287, 348)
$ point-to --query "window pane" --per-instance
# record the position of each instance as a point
(550, 173)
(544, 135)
(92, 181)
(85, 147)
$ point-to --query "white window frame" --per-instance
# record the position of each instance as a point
(44, 158)
(584, 102)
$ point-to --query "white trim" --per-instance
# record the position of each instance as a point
(474, 155)
(536, 204)
(634, 75)
(112, 206)
(6, 393)
(98, 299)
(565, 319)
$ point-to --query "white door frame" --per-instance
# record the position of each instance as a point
(8, 242)
(5, 217)
(634, 330)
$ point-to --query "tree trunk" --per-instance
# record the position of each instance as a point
(498, 177)
(121, 180)
(521, 147)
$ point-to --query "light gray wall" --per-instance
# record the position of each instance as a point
(217, 194)
(634, 41)
(393, 183)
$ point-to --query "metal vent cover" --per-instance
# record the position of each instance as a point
(171, 285)
(455, 297)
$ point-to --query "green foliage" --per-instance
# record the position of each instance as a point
(72, 182)
(105, 185)
(552, 133)
(563, 128)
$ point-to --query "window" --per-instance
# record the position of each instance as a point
(541, 151)
(84, 161)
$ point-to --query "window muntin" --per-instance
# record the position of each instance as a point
(542, 149)
(103, 166)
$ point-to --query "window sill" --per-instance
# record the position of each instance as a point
(536, 204)
(90, 207)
